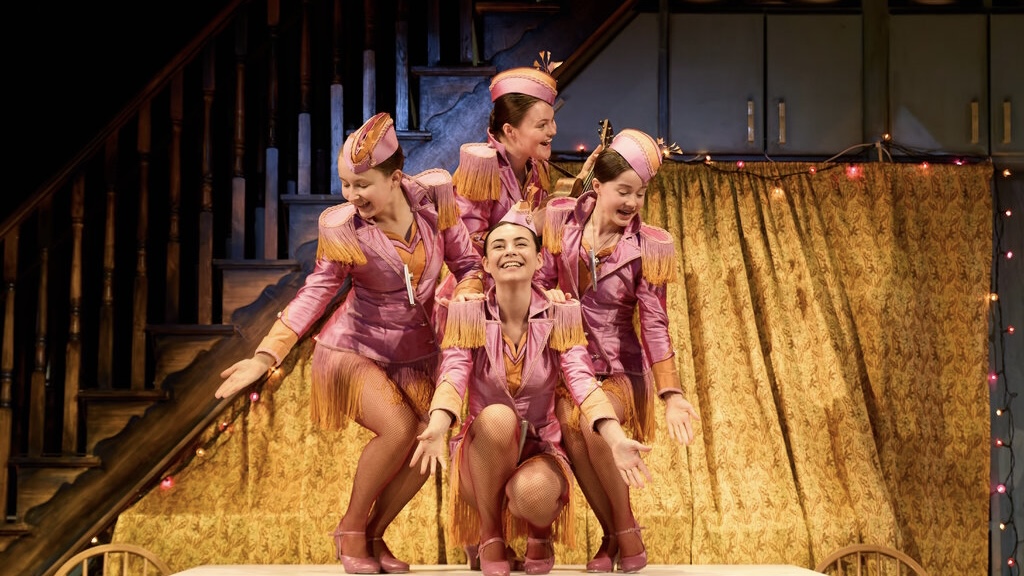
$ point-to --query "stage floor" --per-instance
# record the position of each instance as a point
(454, 570)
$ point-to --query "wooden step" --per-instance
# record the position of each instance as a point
(303, 212)
(107, 412)
(11, 530)
(242, 281)
(175, 346)
(39, 477)
(514, 7)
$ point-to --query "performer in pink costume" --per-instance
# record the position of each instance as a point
(375, 357)
(510, 475)
(512, 166)
(599, 252)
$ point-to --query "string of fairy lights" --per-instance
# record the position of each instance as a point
(1004, 509)
(1000, 329)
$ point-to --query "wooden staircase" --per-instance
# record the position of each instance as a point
(163, 250)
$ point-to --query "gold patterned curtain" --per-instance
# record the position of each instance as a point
(831, 330)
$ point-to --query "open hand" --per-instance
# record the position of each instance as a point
(242, 374)
(680, 417)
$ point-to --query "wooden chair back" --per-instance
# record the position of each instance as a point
(119, 559)
(869, 560)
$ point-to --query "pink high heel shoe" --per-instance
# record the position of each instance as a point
(388, 563)
(493, 567)
(603, 563)
(636, 562)
(542, 565)
(353, 564)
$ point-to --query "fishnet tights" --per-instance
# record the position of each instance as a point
(491, 475)
(382, 481)
(599, 479)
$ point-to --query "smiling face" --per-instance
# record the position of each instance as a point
(372, 192)
(619, 199)
(511, 253)
(532, 136)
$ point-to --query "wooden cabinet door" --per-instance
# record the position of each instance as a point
(716, 83)
(1007, 83)
(815, 84)
(938, 70)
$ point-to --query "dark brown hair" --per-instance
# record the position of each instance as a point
(510, 109)
(536, 239)
(609, 164)
(394, 162)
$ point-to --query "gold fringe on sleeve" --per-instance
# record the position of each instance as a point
(465, 325)
(556, 213)
(478, 176)
(438, 185)
(338, 241)
(568, 326)
(658, 253)
(278, 341)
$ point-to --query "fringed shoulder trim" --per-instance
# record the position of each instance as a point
(465, 327)
(567, 330)
(556, 214)
(337, 236)
(478, 176)
(658, 254)
(437, 182)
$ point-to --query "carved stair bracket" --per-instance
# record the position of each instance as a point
(242, 281)
(39, 478)
(107, 412)
(176, 346)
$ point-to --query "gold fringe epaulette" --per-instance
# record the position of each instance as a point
(567, 330)
(438, 184)
(478, 176)
(658, 253)
(464, 327)
(556, 214)
(337, 237)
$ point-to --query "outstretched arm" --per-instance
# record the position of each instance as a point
(243, 373)
(626, 452)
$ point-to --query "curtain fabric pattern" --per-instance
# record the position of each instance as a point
(831, 330)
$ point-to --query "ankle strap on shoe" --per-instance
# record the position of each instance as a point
(635, 529)
(480, 548)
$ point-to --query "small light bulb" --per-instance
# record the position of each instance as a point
(739, 164)
(886, 136)
(1009, 254)
(254, 396)
(924, 165)
(200, 452)
(1008, 213)
(778, 191)
(999, 441)
(1001, 488)
(1010, 562)
(992, 377)
(852, 171)
(1006, 173)
(581, 148)
(223, 426)
(167, 483)
(1011, 329)
(95, 540)
(707, 158)
(812, 170)
(958, 162)
(993, 297)
(999, 412)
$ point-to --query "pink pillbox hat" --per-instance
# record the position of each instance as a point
(374, 142)
(521, 214)
(640, 150)
(525, 80)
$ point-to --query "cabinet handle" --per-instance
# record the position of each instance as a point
(974, 121)
(750, 121)
(1007, 136)
(782, 122)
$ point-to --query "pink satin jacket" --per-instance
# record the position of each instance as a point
(621, 287)
(480, 373)
(480, 215)
(377, 320)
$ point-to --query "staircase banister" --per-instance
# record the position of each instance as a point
(159, 81)
(594, 43)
